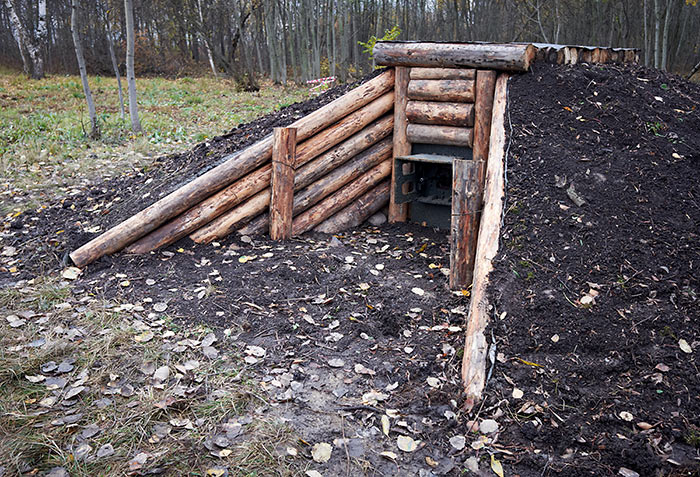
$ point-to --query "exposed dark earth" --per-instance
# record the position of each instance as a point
(355, 341)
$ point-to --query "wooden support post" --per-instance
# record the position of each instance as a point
(284, 146)
(476, 345)
(485, 86)
(466, 197)
(399, 212)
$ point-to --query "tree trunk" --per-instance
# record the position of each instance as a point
(115, 64)
(130, 77)
(667, 25)
(657, 34)
(647, 50)
(32, 60)
(94, 127)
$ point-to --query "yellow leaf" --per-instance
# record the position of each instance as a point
(13, 269)
(529, 363)
(568, 109)
(466, 292)
(180, 249)
(496, 466)
(216, 472)
(422, 248)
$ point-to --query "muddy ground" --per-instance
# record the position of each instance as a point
(595, 304)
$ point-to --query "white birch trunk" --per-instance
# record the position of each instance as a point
(29, 49)
(130, 77)
(94, 127)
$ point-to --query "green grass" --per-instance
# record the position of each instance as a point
(43, 142)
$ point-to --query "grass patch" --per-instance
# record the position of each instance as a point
(112, 351)
(43, 124)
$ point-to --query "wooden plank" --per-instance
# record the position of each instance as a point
(442, 90)
(485, 85)
(284, 147)
(443, 73)
(445, 135)
(466, 202)
(476, 346)
(508, 57)
(234, 167)
(402, 147)
(356, 213)
(447, 114)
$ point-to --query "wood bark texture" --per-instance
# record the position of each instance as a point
(328, 184)
(466, 201)
(447, 114)
(338, 200)
(130, 75)
(94, 126)
(445, 135)
(402, 147)
(508, 57)
(356, 213)
(234, 167)
(476, 347)
(442, 90)
(282, 197)
(443, 73)
(485, 85)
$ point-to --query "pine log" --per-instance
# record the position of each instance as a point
(485, 84)
(508, 57)
(461, 91)
(223, 201)
(466, 201)
(340, 131)
(234, 167)
(445, 135)
(282, 183)
(476, 346)
(399, 212)
(233, 219)
(356, 213)
(443, 73)
(204, 212)
(325, 186)
(447, 114)
(340, 199)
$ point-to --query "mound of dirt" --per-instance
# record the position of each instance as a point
(596, 284)
(45, 236)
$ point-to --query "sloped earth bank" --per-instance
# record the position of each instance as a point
(596, 315)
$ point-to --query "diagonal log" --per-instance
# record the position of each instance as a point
(225, 200)
(328, 184)
(356, 213)
(235, 166)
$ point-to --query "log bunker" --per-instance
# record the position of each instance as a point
(426, 138)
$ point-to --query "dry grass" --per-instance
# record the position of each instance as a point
(108, 355)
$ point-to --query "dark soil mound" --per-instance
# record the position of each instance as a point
(45, 236)
(597, 296)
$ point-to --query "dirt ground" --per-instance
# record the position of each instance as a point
(354, 341)
(599, 294)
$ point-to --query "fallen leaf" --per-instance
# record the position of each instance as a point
(160, 307)
(144, 337)
(496, 466)
(406, 443)
(626, 416)
(336, 363)
(685, 347)
(488, 426)
(105, 451)
(385, 424)
(361, 369)
(313, 473)
(517, 393)
(217, 472)
(161, 374)
(321, 452)
(71, 273)
(389, 455)
(418, 291)
(433, 382)
(458, 442)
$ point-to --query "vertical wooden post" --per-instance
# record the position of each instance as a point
(483, 105)
(466, 202)
(282, 198)
(399, 212)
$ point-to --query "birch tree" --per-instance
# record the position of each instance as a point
(130, 76)
(30, 48)
(113, 57)
(94, 126)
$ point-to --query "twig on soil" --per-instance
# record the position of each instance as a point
(345, 444)
(360, 407)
